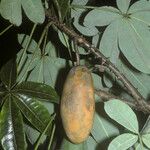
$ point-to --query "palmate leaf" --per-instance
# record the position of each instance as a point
(34, 10)
(34, 111)
(48, 69)
(37, 90)
(11, 10)
(8, 74)
(122, 114)
(123, 142)
(12, 134)
(134, 36)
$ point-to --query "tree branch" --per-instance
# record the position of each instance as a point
(105, 96)
(82, 42)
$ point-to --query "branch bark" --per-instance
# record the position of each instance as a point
(105, 96)
(82, 42)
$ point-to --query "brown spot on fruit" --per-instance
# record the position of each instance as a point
(77, 104)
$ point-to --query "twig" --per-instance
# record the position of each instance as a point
(76, 52)
(6, 29)
(105, 96)
(82, 42)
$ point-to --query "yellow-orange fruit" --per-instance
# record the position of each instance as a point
(77, 104)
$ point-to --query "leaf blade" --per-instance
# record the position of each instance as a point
(146, 139)
(102, 16)
(34, 10)
(103, 128)
(134, 39)
(109, 42)
(123, 142)
(12, 132)
(122, 114)
(8, 73)
(11, 10)
(123, 5)
(34, 111)
(38, 90)
(141, 5)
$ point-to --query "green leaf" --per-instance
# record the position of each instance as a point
(76, 14)
(146, 128)
(138, 146)
(11, 10)
(123, 5)
(97, 80)
(34, 10)
(33, 110)
(109, 42)
(67, 145)
(141, 5)
(64, 7)
(29, 61)
(25, 66)
(37, 90)
(103, 128)
(79, 2)
(138, 79)
(123, 142)
(122, 114)
(134, 40)
(47, 70)
(32, 134)
(102, 16)
(11, 122)
(51, 50)
(23, 40)
(143, 17)
(146, 139)
(8, 73)
(89, 144)
(86, 29)
(66, 42)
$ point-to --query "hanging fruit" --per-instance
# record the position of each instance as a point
(77, 104)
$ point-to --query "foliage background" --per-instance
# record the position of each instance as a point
(104, 129)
